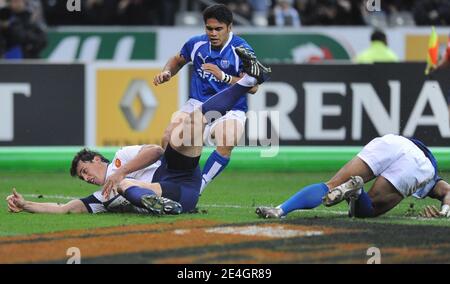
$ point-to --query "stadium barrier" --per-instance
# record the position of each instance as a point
(308, 44)
(289, 158)
(42, 104)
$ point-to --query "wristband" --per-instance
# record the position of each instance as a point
(445, 210)
(226, 78)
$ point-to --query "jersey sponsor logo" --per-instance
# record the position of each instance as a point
(118, 163)
(207, 75)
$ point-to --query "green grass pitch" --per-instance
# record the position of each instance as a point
(231, 198)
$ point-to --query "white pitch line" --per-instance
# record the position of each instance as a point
(226, 206)
(251, 207)
(63, 197)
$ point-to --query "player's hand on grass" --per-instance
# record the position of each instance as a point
(111, 184)
(11, 206)
(433, 212)
(16, 202)
(213, 69)
(162, 78)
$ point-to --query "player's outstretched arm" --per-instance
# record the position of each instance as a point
(148, 155)
(441, 192)
(171, 68)
(16, 204)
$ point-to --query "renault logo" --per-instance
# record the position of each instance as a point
(138, 89)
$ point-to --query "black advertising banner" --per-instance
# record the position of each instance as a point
(350, 104)
(41, 104)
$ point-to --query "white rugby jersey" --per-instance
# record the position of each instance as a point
(117, 203)
(126, 154)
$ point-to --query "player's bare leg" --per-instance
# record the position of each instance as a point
(226, 135)
(355, 167)
(176, 119)
(348, 184)
(384, 196)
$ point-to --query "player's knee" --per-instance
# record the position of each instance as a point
(124, 185)
(332, 184)
(228, 134)
(380, 205)
(226, 140)
(224, 151)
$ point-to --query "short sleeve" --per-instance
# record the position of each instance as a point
(93, 205)
(187, 48)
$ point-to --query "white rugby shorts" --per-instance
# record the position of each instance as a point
(400, 161)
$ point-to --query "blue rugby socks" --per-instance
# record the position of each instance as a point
(307, 198)
(215, 164)
(135, 193)
(226, 99)
(363, 205)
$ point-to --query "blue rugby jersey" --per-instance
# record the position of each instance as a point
(423, 192)
(203, 84)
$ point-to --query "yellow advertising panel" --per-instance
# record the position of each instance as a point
(417, 47)
(130, 109)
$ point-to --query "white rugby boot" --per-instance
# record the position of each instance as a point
(269, 212)
(345, 191)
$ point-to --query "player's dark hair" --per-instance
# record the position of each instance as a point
(85, 155)
(220, 12)
(378, 35)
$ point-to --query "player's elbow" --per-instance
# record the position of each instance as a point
(64, 209)
(159, 150)
(74, 206)
(154, 150)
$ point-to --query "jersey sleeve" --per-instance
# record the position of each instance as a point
(93, 205)
(125, 154)
(187, 48)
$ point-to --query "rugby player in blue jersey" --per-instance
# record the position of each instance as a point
(216, 66)
(152, 180)
(401, 167)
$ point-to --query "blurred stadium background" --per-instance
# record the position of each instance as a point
(75, 78)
